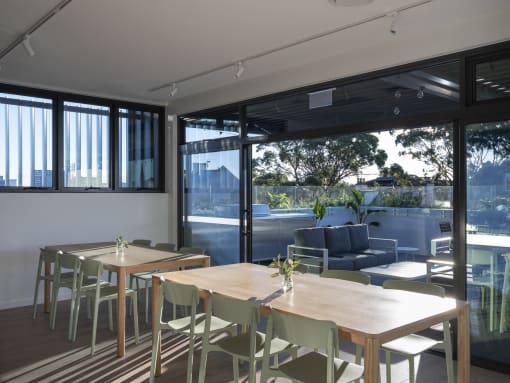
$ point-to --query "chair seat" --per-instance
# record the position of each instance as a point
(107, 292)
(240, 345)
(183, 324)
(412, 344)
(312, 368)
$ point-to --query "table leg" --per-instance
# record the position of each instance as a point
(371, 360)
(156, 283)
(47, 271)
(463, 346)
(121, 312)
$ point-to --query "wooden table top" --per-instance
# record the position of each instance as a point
(358, 310)
(133, 255)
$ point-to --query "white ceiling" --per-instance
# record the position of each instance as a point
(123, 48)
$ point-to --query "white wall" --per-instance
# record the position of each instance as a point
(29, 221)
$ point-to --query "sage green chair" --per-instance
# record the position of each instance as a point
(192, 325)
(146, 278)
(246, 346)
(141, 242)
(45, 257)
(312, 367)
(347, 275)
(191, 250)
(352, 276)
(65, 276)
(93, 270)
(414, 344)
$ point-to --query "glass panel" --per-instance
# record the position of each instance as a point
(138, 149)
(86, 145)
(211, 204)
(26, 141)
(492, 79)
(211, 126)
(431, 89)
(488, 239)
(396, 182)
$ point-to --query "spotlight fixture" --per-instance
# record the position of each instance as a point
(28, 46)
(174, 89)
(421, 93)
(393, 16)
(397, 94)
(240, 69)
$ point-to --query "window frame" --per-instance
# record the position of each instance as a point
(57, 129)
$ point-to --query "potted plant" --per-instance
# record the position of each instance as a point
(286, 268)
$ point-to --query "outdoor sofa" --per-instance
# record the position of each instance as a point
(346, 247)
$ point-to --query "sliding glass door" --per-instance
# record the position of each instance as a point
(488, 238)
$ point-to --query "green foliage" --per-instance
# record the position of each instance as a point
(394, 198)
(278, 200)
(120, 242)
(319, 211)
(285, 268)
(492, 203)
(324, 161)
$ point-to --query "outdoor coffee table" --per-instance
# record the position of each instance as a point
(399, 270)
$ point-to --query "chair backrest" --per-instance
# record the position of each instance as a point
(141, 242)
(66, 261)
(235, 310)
(48, 256)
(191, 250)
(480, 256)
(347, 275)
(165, 246)
(415, 287)
(91, 268)
(179, 294)
(312, 333)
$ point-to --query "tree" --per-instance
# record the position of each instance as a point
(434, 146)
(491, 142)
(401, 176)
(323, 161)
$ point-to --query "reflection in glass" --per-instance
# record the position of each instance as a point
(138, 149)
(488, 238)
(492, 79)
(211, 204)
(26, 141)
(86, 145)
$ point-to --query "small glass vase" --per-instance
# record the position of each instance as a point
(119, 251)
(288, 283)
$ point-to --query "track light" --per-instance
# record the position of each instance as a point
(174, 89)
(28, 46)
(240, 69)
(393, 16)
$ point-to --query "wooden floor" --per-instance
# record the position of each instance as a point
(30, 352)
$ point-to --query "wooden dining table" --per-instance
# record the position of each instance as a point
(365, 314)
(135, 259)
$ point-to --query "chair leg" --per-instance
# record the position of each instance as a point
(89, 308)
(36, 292)
(53, 307)
(131, 277)
(154, 355)
(134, 300)
(203, 363)
(235, 368)
(357, 360)
(388, 366)
(94, 326)
(191, 350)
(252, 371)
(71, 314)
(110, 316)
(447, 342)
(75, 317)
(411, 369)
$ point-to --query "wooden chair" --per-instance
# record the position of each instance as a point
(414, 344)
(314, 366)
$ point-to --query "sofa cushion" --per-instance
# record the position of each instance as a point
(373, 252)
(340, 264)
(337, 239)
(359, 237)
(310, 237)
